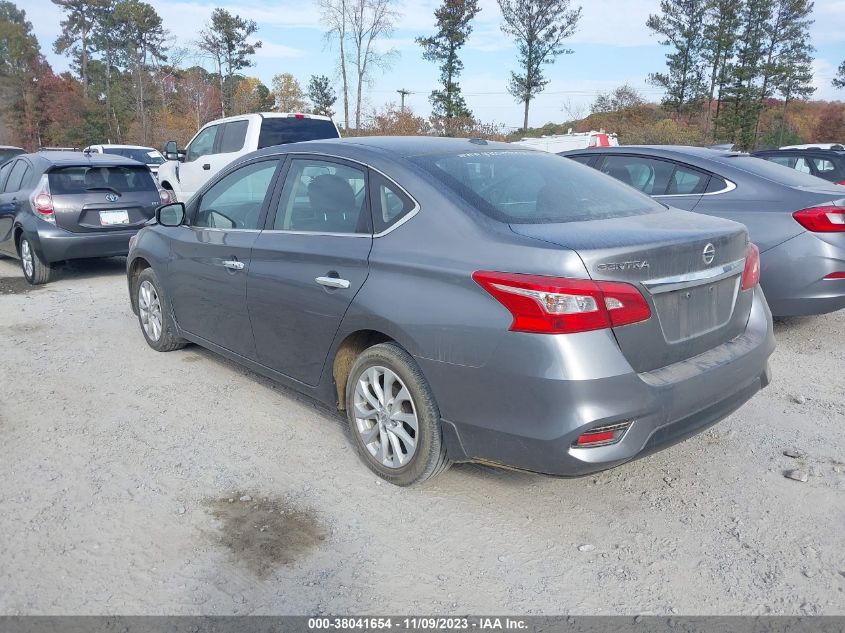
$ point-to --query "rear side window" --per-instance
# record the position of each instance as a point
(83, 179)
(17, 176)
(581, 158)
(649, 175)
(4, 173)
(234, 137)
(825, 167)
(283, 130)
(389, 203)
(535, 187)
(686, 180)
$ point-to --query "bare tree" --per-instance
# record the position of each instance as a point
(367, 21)
(334, 16)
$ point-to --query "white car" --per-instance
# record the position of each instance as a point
(557, 143)
(150, 156)
(220, 142)
(836, 146)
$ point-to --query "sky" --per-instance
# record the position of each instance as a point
(612, 46)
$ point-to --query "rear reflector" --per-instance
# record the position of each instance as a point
(602, 435)
(751, 274)
(559, 305)
(824, 219)
(838, 275)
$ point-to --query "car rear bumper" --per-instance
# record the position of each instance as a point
(793, 275)
(531, 422)
(55, 244)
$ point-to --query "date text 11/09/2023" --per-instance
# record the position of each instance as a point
(417, 624)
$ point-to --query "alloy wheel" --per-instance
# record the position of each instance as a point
(149, 309)
(26, 259)
(385, 417)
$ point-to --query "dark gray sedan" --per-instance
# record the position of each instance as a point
(797, 220)
(462, 300)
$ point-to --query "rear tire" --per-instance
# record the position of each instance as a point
(154, 314)
(393, 417)
(35, 270)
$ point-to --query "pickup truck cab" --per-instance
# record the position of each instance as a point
(220, 142)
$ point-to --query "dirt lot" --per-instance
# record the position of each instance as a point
(137, 483)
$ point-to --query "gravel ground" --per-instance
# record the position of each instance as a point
(144, 483)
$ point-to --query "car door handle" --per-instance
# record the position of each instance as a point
(332, 282)
(207, 166)
(233, 265)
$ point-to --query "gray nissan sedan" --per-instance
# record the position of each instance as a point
(462, 301)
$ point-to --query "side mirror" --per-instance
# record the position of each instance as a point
(171, 214)
(171, 150)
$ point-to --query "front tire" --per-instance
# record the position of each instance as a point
(35, 270)
(393, 417)
(154, 314)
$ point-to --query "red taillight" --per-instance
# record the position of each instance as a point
(42, 202)
(837, 275)
(841, 182)
(558, 305)
(825, 219)
(594, 438)
(751, 274)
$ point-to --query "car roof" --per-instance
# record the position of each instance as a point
(661, 150)
(403, 146)
(115, 146)
(11, 147)
(67, 159)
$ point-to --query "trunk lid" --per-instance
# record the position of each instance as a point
(694, 295)
(101, 198)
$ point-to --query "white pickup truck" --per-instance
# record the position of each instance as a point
(220, 142)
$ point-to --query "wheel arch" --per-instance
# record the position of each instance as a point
(136, 267)
(346, 353)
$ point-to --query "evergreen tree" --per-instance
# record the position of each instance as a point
(681, 23)
(453, 19)
(77, 34)
(321, 95)
(539, 28)
(226, 40)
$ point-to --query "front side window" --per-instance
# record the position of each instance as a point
(649, 175)
(235, 202)
(323, 197)
(525, 187)
(203, 144)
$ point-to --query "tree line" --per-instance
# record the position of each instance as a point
(736, 70)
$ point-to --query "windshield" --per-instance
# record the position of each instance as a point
(83, 179)
(279, 131)
(148, 156)
(535, 187)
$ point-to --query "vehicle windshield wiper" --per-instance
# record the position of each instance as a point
(104, 188)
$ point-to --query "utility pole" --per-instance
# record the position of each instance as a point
(402, 94)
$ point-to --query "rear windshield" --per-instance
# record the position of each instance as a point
(771, 171)
(82, 179)
(535, 187)
(279, 131)
(146, 156)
